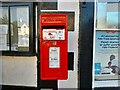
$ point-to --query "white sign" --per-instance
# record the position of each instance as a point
(3, 37)
(3, 29)
(53, 34)
(3, 42)
(54, 57)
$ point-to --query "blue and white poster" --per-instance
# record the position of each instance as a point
(107, 43)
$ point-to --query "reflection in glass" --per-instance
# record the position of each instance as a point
(101, 15)
(112, 19)
(107, 15)
(19, 28)
(4, 36)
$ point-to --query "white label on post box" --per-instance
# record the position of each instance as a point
(54, 57)
(53, 34)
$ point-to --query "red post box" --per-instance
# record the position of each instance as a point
(53, 47)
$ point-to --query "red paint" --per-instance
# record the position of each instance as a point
(112, 31)
(107, 31)
(47, 73)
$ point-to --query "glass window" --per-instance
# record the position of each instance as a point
(107, 36)
(107, 15)
(19, 28)
(16, 29)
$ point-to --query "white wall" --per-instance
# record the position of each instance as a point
(71, 5)
(20, 71)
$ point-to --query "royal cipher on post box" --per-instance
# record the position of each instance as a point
(53, 47)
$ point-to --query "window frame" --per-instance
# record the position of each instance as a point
(32, 32)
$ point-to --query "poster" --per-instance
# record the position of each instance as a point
(107, 45)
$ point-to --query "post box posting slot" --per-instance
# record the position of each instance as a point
(53, 46)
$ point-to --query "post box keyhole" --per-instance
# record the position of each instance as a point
(54, 43)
